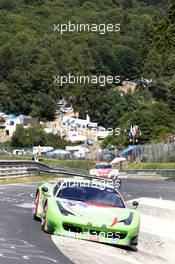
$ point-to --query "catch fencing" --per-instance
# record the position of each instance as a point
(155, 153)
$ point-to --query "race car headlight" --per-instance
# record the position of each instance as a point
(94, 173)
(63, 210)
(128, 220)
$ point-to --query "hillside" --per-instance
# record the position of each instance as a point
(32, 53)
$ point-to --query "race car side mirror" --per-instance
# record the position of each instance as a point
(135, 204)
(44, 189)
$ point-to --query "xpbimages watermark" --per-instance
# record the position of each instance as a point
(89, 234)
(102, 80)
(86, 27)
(94, 183)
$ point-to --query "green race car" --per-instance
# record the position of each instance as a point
(85, 209)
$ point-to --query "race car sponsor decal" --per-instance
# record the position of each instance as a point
(115, 221)
(100, 205)
(94, 237)
(74, 205)
(114, 240)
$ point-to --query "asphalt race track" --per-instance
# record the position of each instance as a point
(21, 238)
(22, 241)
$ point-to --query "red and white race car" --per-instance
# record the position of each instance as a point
(104, 170)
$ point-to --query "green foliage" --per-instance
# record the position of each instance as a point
(116, 141)
(153, 166)
(43, 106)
(35, 136)
(78, 164)
(31, 53)
(159, 89)
(165, 29)
(159, 134)
(127, 4)
(7, 5)
(28, 137)
(56, 142)
(171, 94)
(153, 67)
(160, 67)
(155, 2)
(155, 121)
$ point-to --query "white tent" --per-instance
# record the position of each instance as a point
(117, 160)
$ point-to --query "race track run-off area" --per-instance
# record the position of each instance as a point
(23, 241)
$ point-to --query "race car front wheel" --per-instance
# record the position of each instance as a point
(44, 219)
(44, 224)
(36, 206)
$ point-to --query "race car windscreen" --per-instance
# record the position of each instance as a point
(109, 197)
(103, 166)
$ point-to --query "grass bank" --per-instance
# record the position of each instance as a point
(15, 157)
(32, 179)
(162, 166)
(76, 164)
(88, 164)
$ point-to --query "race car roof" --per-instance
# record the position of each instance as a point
(100, 163)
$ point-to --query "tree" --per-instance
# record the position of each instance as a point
(34, 2)
(171, 95)
(35, 136)
(149, 118)
(159, 89)
(117, 141)
(127, 4)
(7, 4)
(19, 138)
(155, 2)
(153, 68)
(127, 58)
(31, 53)
(56, 141)
(125, 24)
(164, 31)
(44, 106)
(28, 137)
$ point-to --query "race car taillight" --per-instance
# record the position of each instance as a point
(63, 210)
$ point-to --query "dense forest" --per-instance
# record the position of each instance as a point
(31, 53)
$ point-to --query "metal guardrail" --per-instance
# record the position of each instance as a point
(15, 168)
(34, 164)
(35, 167)
(149, 172)
(20, 168)
(58, 171)
(14, 172)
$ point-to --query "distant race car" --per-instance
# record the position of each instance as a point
(105, 170)
(86, 209)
